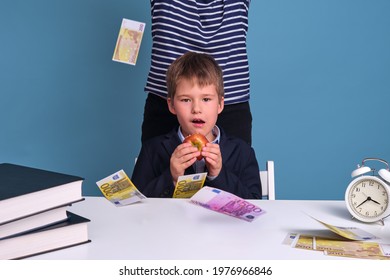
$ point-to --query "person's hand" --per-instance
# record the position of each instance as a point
(213, 158)
(182, 157)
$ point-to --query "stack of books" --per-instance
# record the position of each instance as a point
(34, 216)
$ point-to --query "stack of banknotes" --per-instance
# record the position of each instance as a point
(349, 242)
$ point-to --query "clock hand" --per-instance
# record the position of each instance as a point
(362, 202)
(369, 198)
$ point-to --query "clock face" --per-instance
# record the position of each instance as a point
(367, 199)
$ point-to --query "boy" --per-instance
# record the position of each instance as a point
(196, 97)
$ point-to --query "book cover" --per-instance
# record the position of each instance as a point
(25, 191)
(33, 222)
(72, 232)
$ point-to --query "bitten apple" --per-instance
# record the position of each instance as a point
(197, 140)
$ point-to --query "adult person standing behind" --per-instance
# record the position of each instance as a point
(215, 27)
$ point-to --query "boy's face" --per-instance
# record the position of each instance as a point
(196, 108)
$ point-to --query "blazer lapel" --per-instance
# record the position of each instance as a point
(169, 144)
(225, 145)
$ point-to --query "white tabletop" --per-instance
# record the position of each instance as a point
(173, 229)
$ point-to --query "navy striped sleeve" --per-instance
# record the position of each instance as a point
(215, 27)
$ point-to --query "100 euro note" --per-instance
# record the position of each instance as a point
(119, 189)
(226, 203)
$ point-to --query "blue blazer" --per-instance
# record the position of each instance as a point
(239, 174)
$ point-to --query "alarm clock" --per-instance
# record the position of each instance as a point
(367, 196)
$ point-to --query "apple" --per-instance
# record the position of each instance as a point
(197, 140)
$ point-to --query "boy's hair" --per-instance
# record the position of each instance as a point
(201, 68)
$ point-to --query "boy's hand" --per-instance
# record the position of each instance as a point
(213, 158)
(182, 157)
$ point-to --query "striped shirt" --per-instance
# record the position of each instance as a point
(215, 27)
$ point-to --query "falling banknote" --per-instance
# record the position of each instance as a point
(129, 41)
(226, 203)
(119, 189)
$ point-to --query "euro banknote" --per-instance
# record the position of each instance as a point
(352, 233)
(341, 248)
(188, 185)
(129, 41)
(226, 203)
(119, 189)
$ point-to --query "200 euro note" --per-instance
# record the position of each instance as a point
(341, 248)
(129, 41)
(352, 249)
(119, 189)
(352, 233)
(226, 203)
(188, 185)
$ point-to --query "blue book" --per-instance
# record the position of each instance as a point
(26, 191)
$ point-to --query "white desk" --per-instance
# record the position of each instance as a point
(173, 229)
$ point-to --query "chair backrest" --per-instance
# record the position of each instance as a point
(267, 178)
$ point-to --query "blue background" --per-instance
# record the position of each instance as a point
(320, 85)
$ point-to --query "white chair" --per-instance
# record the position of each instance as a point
(267, 178)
